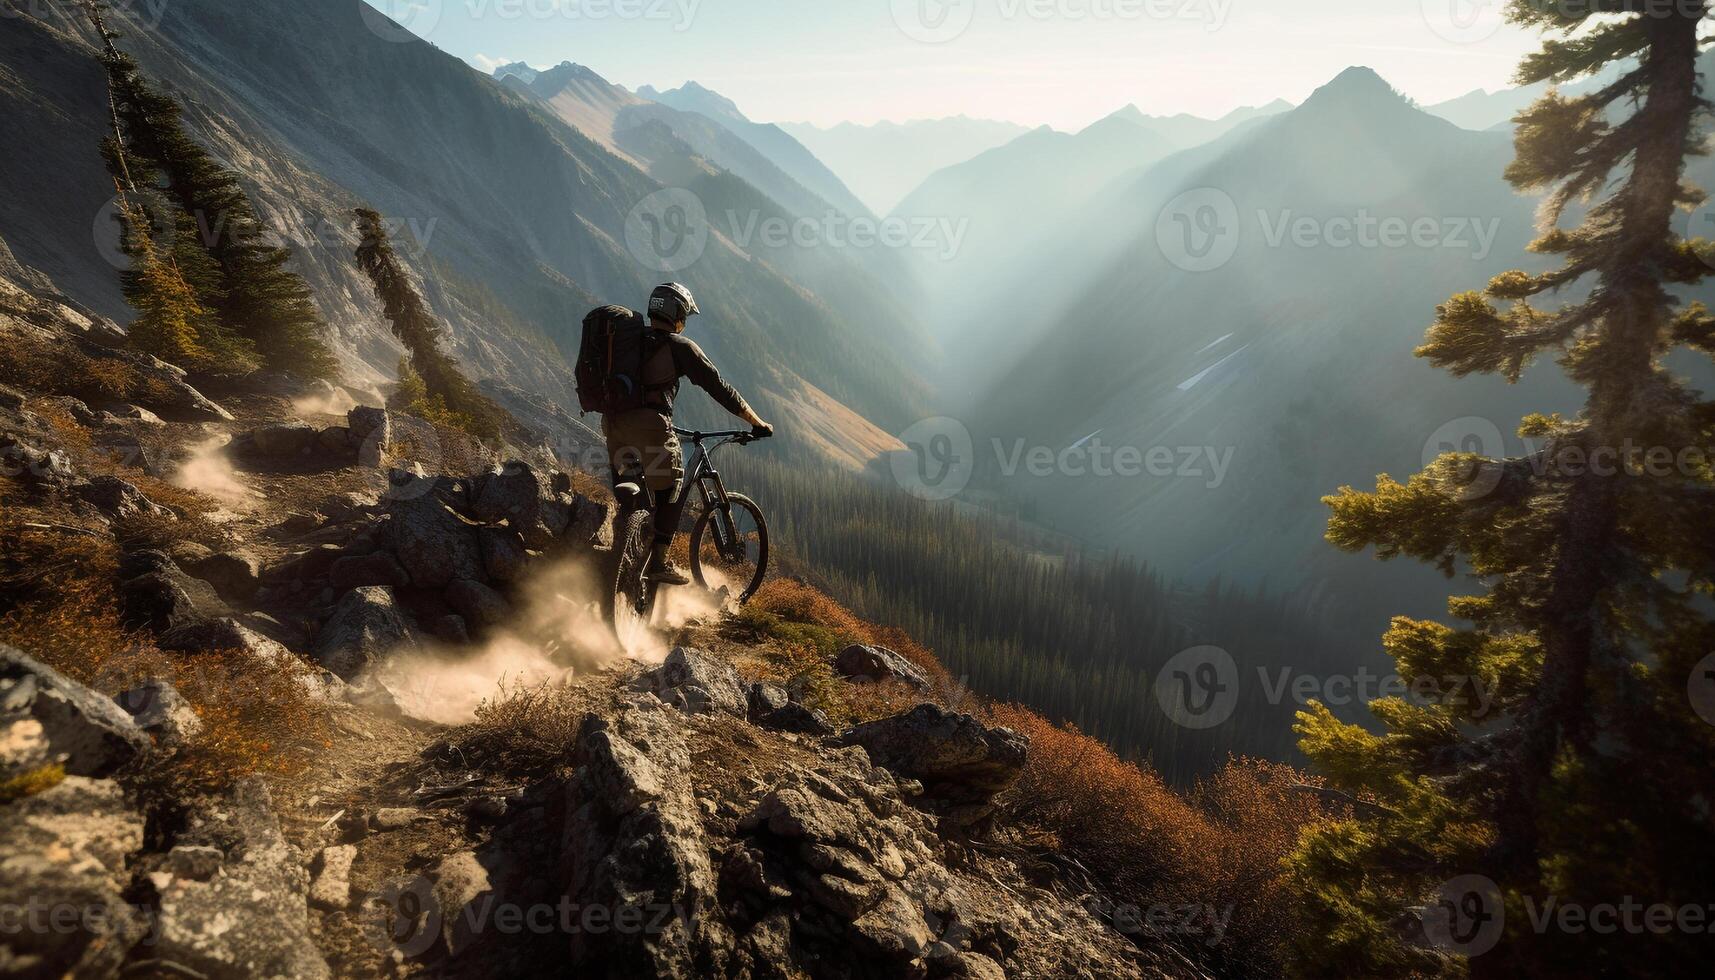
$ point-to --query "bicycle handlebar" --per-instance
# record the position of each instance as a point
(740, 436)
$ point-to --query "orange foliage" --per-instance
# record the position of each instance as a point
(1218, 848)
(59, 603)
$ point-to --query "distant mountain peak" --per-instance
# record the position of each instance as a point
(573, 70)
(1355, 91)
(1356, 86)
(519, 70)
(694, 97)
(1131, 112)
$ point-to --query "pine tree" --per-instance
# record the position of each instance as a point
(248, 285)
(430, 382)
(167, 286)
(1586, 778)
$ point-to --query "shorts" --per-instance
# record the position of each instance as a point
(642, 442)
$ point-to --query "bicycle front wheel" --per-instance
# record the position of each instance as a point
(626, 593)
(730, 547)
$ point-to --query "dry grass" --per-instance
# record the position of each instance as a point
(34, 365)
(1219, 847)
(792, 633)
(59, 603)
(193, 509)
(525, 729)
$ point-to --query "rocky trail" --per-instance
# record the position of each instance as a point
(482, 783)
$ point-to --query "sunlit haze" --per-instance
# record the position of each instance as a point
(1064, 63)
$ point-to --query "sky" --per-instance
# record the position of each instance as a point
(1064, 63)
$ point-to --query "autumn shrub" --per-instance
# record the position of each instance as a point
(1218, 848)
(525, 729)
(56, 369)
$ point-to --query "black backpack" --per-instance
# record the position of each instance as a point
(610, 361)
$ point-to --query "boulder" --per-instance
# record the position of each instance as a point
(234, 574)
(251, 918)
(357, 571)
(335, 442)
(695, 682)
(221, 635)
(120, 500)
(163, 713)
(331, 888)
(436, 545)
(524, 499)
(452, 629)
(765, 698)
(634, 840)
(365, 423)
(478, 604)
(798, 718)
(133, 413)
(56, 719)
(67, 847)
(872, 663)
(339, 508)
(961, 763)
(591, 525)
(283, 441)
(34, 465)
(503, 554)
(168, 600)
(365, 626)
(460, 881)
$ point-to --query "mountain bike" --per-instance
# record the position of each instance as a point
(729, 540)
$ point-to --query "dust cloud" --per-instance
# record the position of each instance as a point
(557, 633)
(208, 471)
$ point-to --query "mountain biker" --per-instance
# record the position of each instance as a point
(642, 439)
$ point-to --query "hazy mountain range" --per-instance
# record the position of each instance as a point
(884, 162)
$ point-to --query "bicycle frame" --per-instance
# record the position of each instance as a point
(700, 473)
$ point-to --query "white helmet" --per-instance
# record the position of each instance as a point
(672, 302)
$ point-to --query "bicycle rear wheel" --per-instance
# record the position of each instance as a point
(730, 548)
(626, 594)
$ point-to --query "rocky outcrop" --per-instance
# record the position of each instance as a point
(63, 860)
(436, 545)
(47, 718)
(634, 841)
(162, 713)
(159, 595)
(817, 868)
(119, 499)
(365, 627)
(695, 682)
(962, 763)
(872, 663)
(233, 893)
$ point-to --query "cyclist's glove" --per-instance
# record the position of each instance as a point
(762, 431)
